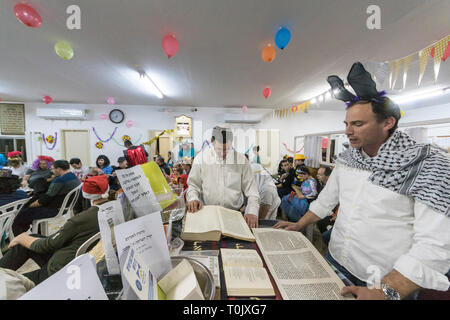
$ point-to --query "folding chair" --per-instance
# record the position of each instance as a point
(66, 208)
(7, 214)
(86, 245)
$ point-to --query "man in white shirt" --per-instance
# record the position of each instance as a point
(221, 176)
(78, 169)
(399, 236)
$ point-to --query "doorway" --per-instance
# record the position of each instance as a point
(76, 145)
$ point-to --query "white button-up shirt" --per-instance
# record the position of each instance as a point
(215, 181)
(378, 228)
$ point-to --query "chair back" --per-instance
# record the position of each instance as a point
(86, 245)
(69, 201)
(7, 214)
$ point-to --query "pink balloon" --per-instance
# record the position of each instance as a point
(244, 108)
(27, 15)
(103, 116)
(129, 123)
(47, 99)
(266, 92)
(170, 45)
(111, 100)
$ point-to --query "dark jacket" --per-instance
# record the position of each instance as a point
(58, 190)
(66, 241)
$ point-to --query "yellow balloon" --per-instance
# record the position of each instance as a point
(64, 50)
(159, 184)
(268, 53)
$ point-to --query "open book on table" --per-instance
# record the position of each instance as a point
(245, 274)
(209, 223)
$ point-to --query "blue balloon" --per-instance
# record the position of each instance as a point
(282, 38)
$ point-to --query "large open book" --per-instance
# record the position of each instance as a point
(245, 274)
(181, 283)
(299, 270)
(210, 222)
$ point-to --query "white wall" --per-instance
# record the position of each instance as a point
(145, 118)
(316, 121)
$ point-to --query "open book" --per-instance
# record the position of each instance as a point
(210, 222)
(298, 269)
(181, 283)
(245, 274)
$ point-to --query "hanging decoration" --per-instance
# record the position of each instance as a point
(130, 123)
(134, 141)
(439, 49)
(406, 63)
(266, 92)
(104, 140)
(103, 116)
(446, 52)
(159, 135)
(47, 99)
(170, 45)
(268, 54)
(111, 101)
(51, 140)
(125, 137)
(423, 61)
(244, 109)
(398, 65)
(27, 15)
(64, 50)
(282, 38)
(99, 145)
(291, 151)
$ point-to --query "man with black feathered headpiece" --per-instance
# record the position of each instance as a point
(394, 214)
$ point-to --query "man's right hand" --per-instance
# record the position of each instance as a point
(194, 206)
(291, 226)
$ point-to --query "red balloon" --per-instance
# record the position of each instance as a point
(170, 45)
(446, 52)
(27, 15)
(266, 92)
(47, 99)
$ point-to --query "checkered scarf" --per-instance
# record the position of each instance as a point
(421, 171)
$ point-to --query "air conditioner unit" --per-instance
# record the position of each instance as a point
(61, 114)
(242, 118)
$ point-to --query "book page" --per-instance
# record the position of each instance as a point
(244, 281)
(202, 221)
(234, 225)
(299, 270)
(180, 283)
(240, 258)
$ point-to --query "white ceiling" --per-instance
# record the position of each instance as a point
(219, 61)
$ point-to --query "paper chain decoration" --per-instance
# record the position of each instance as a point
(50, 139)
(106, 140)
(136, 142)
(291, 151)
(157, 137)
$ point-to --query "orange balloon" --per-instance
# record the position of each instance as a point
(268, 53)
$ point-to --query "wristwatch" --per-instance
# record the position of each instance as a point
(389, 292)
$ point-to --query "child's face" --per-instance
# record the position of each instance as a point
(176, 174)
(100, 162)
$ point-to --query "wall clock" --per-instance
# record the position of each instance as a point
(116, 116)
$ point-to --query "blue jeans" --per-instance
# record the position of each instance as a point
(26, 216)
(326, 236)
(354, 280)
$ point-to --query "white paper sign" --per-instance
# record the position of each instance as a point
(139, 277)
(76, 281)
(146, 235)
(110, 214)
(136, 187)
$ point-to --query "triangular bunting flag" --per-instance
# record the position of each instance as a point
(398, 65)
(406, 63)
(423, 61)
(307, 106)
(439, 50)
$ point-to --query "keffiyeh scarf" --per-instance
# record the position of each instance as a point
(421, 171)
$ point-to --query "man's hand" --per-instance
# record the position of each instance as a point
(291, 226)
(24, 183)
(364, 293)
(194, 206)
(17, 240)
(252, 220)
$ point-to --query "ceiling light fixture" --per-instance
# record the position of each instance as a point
(421, 95)
(150, 84)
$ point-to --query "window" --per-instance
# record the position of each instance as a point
(8, 144)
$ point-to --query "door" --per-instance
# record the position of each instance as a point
(269, 148)
(164, 146)
(76, 145)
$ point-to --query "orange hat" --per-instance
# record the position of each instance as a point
(300, 157)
